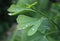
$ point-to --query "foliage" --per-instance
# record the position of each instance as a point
(38, 20)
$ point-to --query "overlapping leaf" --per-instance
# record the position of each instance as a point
(44, 26)
(16, 10)
(25, 21)
(35, 27)
(25, 5)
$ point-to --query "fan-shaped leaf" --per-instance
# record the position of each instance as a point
(34, 28)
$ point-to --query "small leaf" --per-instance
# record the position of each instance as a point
(19, 11)
(14, 9)
(34, 28)
(25, 21)
(45, 25)
(24, 26)
(22, 19)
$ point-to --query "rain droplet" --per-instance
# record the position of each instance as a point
(26, 25)
(33, 29)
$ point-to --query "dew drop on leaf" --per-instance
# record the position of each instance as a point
(26, 25)
(33, 29)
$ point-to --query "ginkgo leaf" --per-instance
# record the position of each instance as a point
(25, 21)
(26, 6)
(14, 9)
(34, 28)
(45, 25)
(24, 26)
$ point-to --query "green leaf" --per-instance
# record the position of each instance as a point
(25, 21)
(34, 28)
(38, 37)
(25, 5)
(45, 25)
(14, 9)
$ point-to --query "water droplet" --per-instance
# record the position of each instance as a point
(26, 25)
(33, 29)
